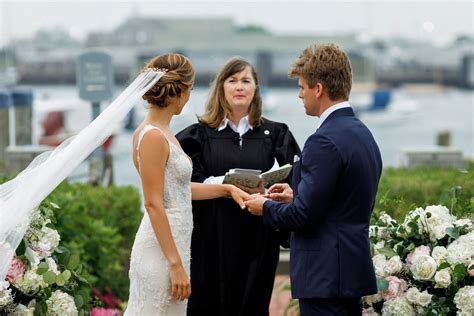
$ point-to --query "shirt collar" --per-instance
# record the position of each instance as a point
(244, 122)
(332, 108)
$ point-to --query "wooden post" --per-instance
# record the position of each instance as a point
(5, 103)
(443, 138)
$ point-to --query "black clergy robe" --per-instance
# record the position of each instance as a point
(233, 255)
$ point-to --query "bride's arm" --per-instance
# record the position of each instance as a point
(205, 191)
(154, 151)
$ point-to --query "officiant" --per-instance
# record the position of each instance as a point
(233, 255)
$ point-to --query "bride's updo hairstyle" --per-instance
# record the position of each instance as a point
(179, 77)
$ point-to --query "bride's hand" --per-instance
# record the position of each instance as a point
(180, 283)
(238, 195)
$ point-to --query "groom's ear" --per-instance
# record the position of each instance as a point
(318, 90)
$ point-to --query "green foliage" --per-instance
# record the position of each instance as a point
(98, 225)
(401, 190)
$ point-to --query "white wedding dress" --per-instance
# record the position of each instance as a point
(149, 269)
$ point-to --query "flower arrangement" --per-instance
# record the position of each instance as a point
(44, 278)
(424, 266)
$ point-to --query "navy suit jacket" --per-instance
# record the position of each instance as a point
(334, 187)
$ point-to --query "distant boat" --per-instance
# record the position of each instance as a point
(379, 101)
(59, 119)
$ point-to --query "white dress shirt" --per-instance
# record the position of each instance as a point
(243, 127)
(331, 109)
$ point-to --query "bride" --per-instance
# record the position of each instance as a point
(160, 260)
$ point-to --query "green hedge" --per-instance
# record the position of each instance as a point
(401, 190)
(100, 224)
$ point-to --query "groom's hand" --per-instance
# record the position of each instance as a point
(255, 206)
(280, 192)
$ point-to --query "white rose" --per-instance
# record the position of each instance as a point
(440, 254)
(393, 265)
(412, 295)
(424, 267)
(443, 278)
(461, 250)
(424, 299)
(379, 264)
(438, 232)
(410, 217)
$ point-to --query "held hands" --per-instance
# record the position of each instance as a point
(255, 204)
(280, 192)
(180, 283)
(238, 195)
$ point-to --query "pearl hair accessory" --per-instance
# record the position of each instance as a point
(155, 69)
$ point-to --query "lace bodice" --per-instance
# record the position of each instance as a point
(149, 269)
(177, 173)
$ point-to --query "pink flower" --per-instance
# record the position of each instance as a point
(105, 312)
(422, 250)
(16, 270)
(471, 271)
(395, 289)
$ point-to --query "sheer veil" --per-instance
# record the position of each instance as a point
(20, 196)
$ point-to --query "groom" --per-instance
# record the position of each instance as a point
(334, 187)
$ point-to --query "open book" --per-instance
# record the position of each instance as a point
(251, 177)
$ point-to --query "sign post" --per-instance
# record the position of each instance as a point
(94, 77)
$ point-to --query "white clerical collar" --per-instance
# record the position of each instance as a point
(242, 128)
(331, 109)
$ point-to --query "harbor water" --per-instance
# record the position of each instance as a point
(412, 119)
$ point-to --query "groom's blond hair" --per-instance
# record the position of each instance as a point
(328, 65)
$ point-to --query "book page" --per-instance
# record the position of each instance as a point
(246, 177)
(275, 176)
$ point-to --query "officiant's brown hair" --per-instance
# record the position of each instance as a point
(178, 77)
(217, 107)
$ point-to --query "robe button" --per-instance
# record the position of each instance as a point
(267, 132)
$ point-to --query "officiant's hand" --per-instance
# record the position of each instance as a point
(259, 189)
(280, 192)
(180, 283)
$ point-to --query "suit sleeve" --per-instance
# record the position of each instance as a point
(192, 141)
(321, 165)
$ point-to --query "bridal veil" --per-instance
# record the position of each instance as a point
(20, 196)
